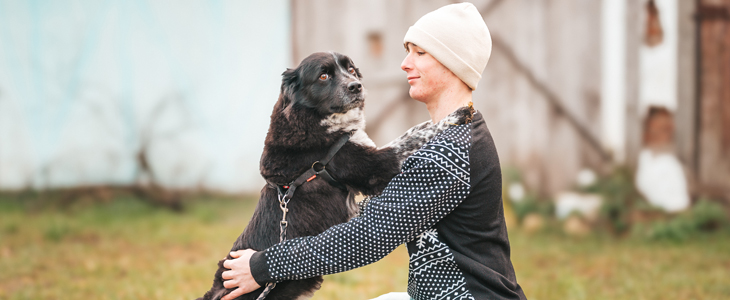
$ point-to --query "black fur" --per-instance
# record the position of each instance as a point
(301, 134)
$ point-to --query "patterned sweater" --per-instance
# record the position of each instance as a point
(446, 204)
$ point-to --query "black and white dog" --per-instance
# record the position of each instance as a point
(320, 101)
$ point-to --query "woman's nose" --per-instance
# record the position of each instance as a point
(405, 65)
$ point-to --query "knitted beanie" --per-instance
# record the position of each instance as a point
(457, 37)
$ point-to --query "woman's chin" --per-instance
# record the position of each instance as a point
(416, 95)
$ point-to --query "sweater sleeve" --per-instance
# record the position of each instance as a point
(433, 182)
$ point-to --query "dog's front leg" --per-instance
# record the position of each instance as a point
(368, 170)
(418, 135)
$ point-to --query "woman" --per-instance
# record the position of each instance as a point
(446, 204)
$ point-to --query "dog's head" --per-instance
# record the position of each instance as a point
(327, 82)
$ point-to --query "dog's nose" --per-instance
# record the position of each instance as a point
(354, 87)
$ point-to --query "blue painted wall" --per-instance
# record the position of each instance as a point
(85, 84)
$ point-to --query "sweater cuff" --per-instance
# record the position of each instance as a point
(259, 268)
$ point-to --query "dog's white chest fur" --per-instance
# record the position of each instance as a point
(353, 120)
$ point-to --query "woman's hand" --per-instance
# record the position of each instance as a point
(239, 274)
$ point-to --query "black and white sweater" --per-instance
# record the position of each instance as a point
(446, 204)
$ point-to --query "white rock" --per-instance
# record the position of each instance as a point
(660, 178)
(516, 192)
(586, 177)
(587, 205)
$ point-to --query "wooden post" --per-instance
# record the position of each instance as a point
(634, 21)
(714, 98)
(685, 116)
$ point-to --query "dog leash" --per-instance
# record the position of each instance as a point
(318, 169)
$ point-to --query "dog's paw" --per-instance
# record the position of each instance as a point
(461, 116)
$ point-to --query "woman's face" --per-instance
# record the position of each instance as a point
(426, 75)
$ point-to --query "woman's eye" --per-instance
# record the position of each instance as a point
(421, 53)
(324, 77)
(352, 70)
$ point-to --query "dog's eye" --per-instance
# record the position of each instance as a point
(352, 70)
(324, 77)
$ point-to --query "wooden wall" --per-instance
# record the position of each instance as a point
(540, 92)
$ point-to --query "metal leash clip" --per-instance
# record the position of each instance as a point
(283, 203)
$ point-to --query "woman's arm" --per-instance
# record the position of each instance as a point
(435, 180)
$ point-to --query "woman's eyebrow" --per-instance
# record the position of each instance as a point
(409, 45)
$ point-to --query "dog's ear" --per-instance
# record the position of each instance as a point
(289, 81)
(289, 84)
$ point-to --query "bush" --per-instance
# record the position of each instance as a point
(528, 203)
(705, 216)
(531, 204)
(619, 198)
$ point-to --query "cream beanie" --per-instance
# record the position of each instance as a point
(457, 37)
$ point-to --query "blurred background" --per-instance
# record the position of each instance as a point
(129, 129)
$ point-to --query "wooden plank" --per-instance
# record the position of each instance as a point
(714, 124)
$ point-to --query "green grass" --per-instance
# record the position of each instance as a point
(126, 249)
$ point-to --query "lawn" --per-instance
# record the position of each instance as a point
(127, 249)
